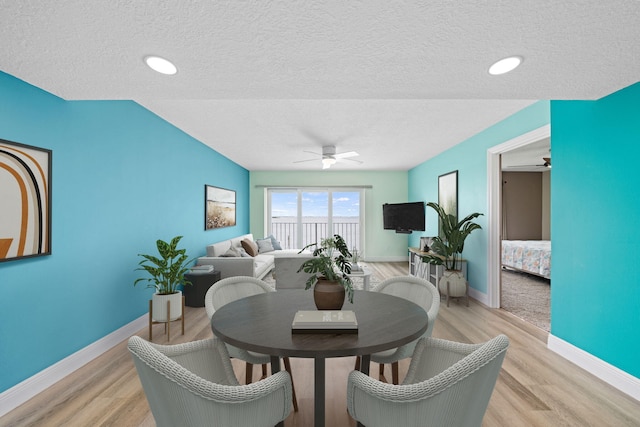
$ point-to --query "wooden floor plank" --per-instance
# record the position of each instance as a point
(535, 388)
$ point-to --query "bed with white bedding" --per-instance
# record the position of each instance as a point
(529, 256)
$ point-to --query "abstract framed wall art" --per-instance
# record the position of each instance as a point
(448, 195)
(25, 195)
(220, 207)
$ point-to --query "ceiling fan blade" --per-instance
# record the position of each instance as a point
(304, 161)
(343, 160)
(312, 152)
(345, 155)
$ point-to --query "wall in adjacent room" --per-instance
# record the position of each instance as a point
(121, 178)
(386, 187)
(595, 296)
(546, 205)
(522, 205)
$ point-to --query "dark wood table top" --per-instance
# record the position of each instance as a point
(262, 323)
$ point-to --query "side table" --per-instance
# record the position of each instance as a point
(200, 284)
(364, 274)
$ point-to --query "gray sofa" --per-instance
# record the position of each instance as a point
(242, 265)
(286, 271)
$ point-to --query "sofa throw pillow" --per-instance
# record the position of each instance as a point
(264, 245)
(243, 253)
(274, 242)
(231, 252)
(250, 246)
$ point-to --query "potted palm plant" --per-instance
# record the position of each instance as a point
(446, 250)
(167, 273)
(329, 269)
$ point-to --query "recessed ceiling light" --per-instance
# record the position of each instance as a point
(505, 65)
(160, 65)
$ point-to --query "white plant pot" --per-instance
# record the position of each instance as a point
(159, 306)
(456, 282)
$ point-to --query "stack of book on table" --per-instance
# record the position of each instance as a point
(201, 269)
(324, 322)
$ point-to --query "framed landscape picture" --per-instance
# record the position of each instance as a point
(448, 195)
(220, 207)
(25, 201)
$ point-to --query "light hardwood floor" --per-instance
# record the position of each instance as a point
(536, 387)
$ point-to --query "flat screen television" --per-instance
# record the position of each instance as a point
(403, 217)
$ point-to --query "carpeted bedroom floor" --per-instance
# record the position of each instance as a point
(527, 297)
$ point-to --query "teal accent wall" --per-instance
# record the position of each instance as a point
(595, 292)
(386, 187)
(469, 158)
(122, 178)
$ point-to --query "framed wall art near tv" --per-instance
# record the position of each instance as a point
(448, 195)
(220, 207)
(25, 195)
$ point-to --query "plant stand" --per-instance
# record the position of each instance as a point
(167, 324)
(444, 284)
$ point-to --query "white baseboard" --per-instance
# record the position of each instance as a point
(619, 379)
(479, 296)
(616, 377)
(22, 392)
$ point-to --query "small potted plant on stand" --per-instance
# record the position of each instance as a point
(167, 273)
(447, 250)
(329, 267)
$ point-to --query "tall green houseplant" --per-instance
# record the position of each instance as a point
(167, 271)
(448, 248)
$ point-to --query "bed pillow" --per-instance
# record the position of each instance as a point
(264, 245)
(250, 246)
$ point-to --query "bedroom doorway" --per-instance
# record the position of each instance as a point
(524, 294)
(526, 233)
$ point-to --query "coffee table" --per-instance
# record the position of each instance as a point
(262, 323)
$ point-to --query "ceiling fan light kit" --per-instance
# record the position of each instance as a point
(327, 162)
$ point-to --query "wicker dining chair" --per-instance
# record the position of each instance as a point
(448, 384)
(193, 384)
(228, 290)
(419, 291)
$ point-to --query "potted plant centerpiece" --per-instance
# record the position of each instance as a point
(167, 273)
(329, 267)
(447, 250)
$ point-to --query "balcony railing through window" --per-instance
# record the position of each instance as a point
(312, 232)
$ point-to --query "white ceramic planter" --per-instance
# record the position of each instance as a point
(159, 304)
(456, 281)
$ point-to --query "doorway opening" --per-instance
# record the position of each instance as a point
(497, 227)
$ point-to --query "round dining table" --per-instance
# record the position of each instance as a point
(263, 323)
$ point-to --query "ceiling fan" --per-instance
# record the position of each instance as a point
(546, 164)
(329, 157)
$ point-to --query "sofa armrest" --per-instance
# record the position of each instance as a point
(230, 266)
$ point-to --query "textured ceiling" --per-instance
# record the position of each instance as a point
(261, 82)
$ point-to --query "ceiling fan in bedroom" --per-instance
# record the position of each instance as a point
(546, 164)
(329, 157)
